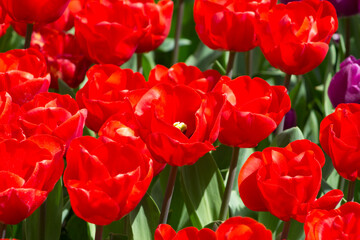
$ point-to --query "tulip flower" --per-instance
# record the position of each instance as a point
(9, 115)
(28, 171)
(54, 114)
(105, 181)
(23, 74)
(109, 89)
(4, 21)
(123, 128)
(343, 7)
(180, 73)
(110, 31)
(35, 11)
(340, 223)
(295, 37)
(177, 124)
(286, 181)
(65, 61)
(290, 119)
(242, 228)
(229, 25)
(344, 86)
(346, 7)
(339, 137)
(159, 15)
(252, 111)
(166, 232)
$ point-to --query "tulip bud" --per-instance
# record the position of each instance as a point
(345, 85)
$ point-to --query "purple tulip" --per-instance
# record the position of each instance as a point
(343, 7)
(346, 7)
(290, 119)
(287, 1)
(345, 85)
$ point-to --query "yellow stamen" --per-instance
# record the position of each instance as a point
(180, 125)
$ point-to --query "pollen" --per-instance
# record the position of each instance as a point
(180, 125)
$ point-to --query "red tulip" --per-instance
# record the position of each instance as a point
(166, 232)
(110, 31)
(9, 115)
(229, 24)
(64, 59)
(123, 128)
(28, 172)
(55, 114)
(180, 73)
(64, 23)
(177, 125)
(105, 181)
(340, 138)
(4, 21)
(286, 181)
(252, 111)
(295, 37)
(109, 89)
(159, 15)
(35, 11)
(242, 228)
(341, 223)
(23, 74)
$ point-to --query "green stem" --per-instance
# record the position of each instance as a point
(2, 230)
(341, 184)
(287, 81)
(229, 184)
(248, 62)
(99, 232)
(347, 36)
(139, 62)
(285, 231)
(42, 223)
(280, 127)
(168, 195)
(351, 190)
(229, 68)
(29, 30)
(179, 19)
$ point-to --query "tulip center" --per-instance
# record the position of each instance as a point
(181, 126)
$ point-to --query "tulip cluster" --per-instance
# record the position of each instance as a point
(105, 143)
(233, 228)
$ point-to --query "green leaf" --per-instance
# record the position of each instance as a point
(236, 206)
(325, 187)
(311, 129)
(178, 216)
(296, 230)
(217, 66)
(169, 44)
(148, 63)
(328, 108)
(287, 136)
(270, 221)
(76, 229)
(120, 229)
(203, 188)
(203, 57)
(65, 89)
(52, 208)
(11, 40)
(144, 219)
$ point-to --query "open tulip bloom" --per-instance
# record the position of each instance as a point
(286, 181)
(295, 37)
(103, 137)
